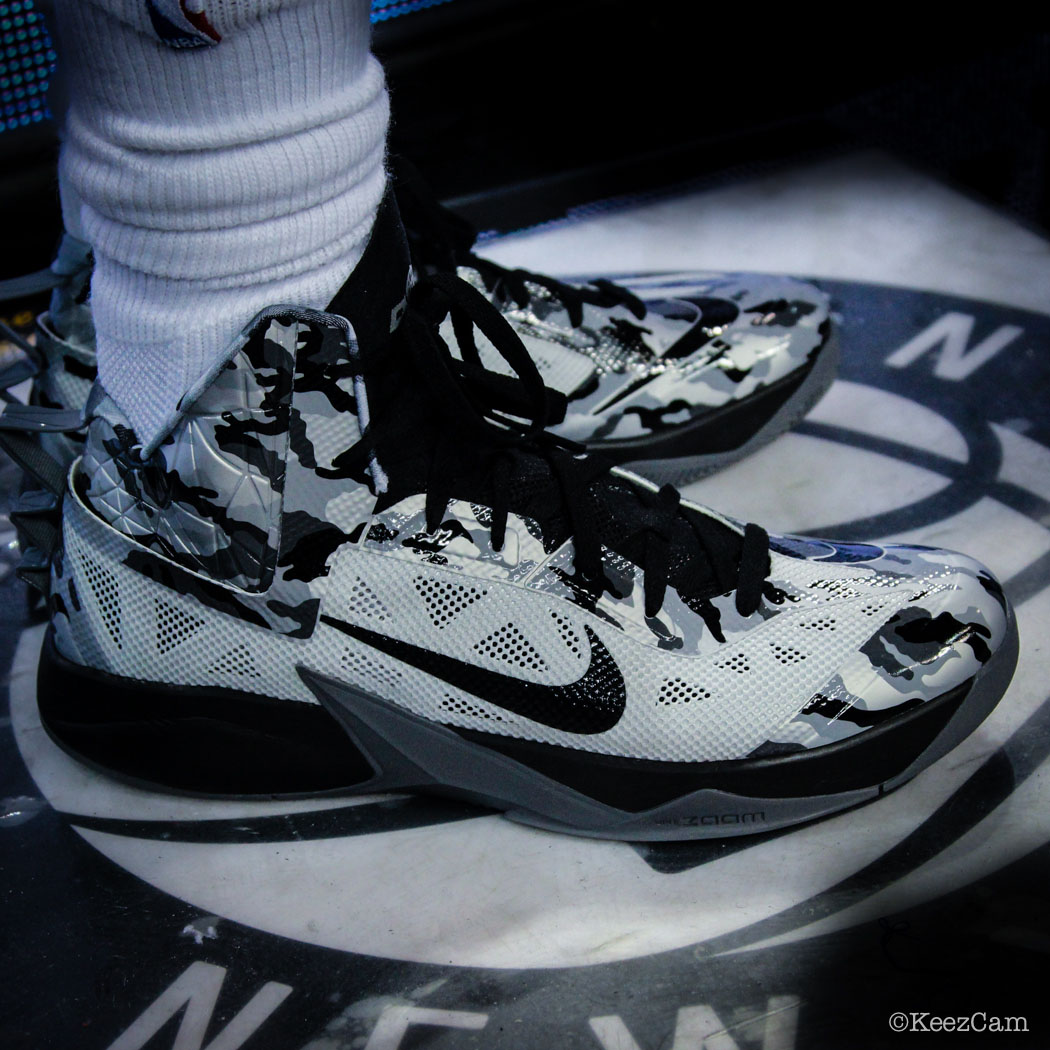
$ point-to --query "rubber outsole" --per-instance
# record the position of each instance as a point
(189, 740)
(225, 744)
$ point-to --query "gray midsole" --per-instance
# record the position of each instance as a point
(410, 752)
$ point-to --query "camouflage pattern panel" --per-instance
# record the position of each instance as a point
(558, 576)
(463, 541)
(613, 340)
(816, 577)
(685, 626)
(210, 497)
(327, 491)
(91, 569)
(705, 340)
(611, 337)
(734, 335)
(919, 652)
(562, 369)
(254, 489)
(608, 342)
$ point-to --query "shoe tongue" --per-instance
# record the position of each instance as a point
(373, 297)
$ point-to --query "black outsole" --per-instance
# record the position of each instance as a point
(193, 740)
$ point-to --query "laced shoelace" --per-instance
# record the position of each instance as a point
(443, 240)
(503, 420)
(515, 284)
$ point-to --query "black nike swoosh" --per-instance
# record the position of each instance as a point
(591, 704)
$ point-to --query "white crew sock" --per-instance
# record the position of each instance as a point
(214, 180)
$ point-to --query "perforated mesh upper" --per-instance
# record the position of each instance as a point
(367, 602)
(833, 590)
(568, 635)
(457, 706)
(714, 705)
(107, 594)
(372, 667)
(239, 662)
(445, 599)
(678, 691)
(174, 626)
(511, 646)
(818, 623)
(737, 662)
(787, 654)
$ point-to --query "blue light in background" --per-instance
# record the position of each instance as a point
(26, 61)
(384, 10)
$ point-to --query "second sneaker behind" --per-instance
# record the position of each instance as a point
(674, 374)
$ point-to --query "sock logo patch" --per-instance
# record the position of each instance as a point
(181, 23)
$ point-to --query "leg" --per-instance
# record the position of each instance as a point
(217, 163)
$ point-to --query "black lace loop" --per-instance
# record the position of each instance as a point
(662, 516)
(470, 402)
(439, 489)
(442, 241)
(515, 285)
(574, 484)
(469, 308)
(501, 475)
(754, 568)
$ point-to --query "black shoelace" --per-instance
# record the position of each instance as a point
(499, 280)
(501, 421)
(443, 241)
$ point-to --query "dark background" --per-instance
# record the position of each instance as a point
(518, 110)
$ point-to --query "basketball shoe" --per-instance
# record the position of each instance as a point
(360, 563)
(676, 375)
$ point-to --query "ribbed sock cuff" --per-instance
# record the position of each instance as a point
(214, 181)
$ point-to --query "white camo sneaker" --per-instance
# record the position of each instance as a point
(360, 563)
